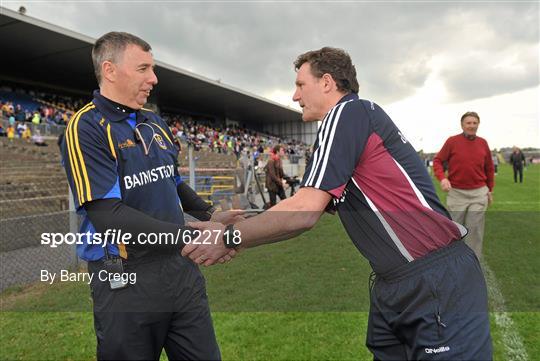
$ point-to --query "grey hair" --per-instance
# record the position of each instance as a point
(110, 47)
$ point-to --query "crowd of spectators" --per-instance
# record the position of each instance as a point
(43, 109)
(229, 140)
(53, 109)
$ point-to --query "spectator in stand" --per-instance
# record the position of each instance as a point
(470, 179)
(5, 109)
(21, 127)
(27, 133)
(20, 115)
(36, 118)
(11, 133)
(518, 161)
(275, 174)
(66, 116)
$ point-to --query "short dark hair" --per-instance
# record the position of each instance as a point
(333, 61)
(277, 148)
(470, 114)
(111, 45)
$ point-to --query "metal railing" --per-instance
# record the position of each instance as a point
(45, 129)
(215, 188)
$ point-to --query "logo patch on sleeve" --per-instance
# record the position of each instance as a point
(127, 144)
(159, 141)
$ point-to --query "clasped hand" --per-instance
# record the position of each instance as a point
(212, 251)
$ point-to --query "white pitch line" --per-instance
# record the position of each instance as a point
(513, 344)
(516, 202)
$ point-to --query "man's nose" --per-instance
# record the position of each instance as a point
(296, 96)
(153, 78)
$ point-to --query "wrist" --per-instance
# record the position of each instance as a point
(210, 212)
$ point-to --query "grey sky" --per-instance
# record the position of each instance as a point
(478, 50)
(252, 45)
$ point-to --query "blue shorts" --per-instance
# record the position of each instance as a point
(434, 308)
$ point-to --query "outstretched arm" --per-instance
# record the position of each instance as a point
(286, 220)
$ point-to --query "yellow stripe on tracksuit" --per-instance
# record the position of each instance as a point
(109, 138)
(72, 146)
(121, 247)
(80, 155)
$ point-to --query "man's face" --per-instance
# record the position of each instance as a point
(470, 125)
(309, 94)
(135, 76)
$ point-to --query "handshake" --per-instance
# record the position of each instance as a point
(204, 251)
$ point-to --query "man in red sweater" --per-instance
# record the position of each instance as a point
(470, 179)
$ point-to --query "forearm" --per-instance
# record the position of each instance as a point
(193, 203)
(438, 169)
(441, 157)
(284, 221)
(112, 214)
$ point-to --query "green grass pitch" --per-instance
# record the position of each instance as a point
(302, 299)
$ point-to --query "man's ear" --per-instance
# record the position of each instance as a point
(329, 83)
(108, 71)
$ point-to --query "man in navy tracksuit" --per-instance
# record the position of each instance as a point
(429, 299)
(121, 163)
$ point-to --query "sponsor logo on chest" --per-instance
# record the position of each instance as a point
(148, 176)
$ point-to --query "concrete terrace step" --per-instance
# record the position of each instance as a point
(33, 206)
(36, 169)
(20, 166)
(33, 185)
(43, 192)
(31, 178)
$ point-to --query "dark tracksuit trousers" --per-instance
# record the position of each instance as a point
(167, 308)
(518, 169)
(434, 308)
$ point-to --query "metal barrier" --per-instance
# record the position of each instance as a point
(214, 188)
(53, 130)
(45, 129)
(22, 222)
